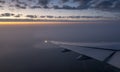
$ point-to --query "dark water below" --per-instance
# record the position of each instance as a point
(22, 48)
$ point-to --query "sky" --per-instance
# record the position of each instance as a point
(60, 9)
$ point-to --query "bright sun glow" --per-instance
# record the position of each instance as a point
(45, 41)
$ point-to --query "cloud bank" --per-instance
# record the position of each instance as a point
(62, 4)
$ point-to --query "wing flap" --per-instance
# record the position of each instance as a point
(98, 54)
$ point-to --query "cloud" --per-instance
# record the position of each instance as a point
(18, 15)
(31, 16)
(81, 4)
(7, 14)
(10, 15)
(50, 16)
(64, 1)
(2, 1)
(61, 17)
(34, 7)
(22, 6)
(1, 6)
(64, 4)
(43, 2)
(104, 4)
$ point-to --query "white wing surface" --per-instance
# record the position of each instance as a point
(107, 52)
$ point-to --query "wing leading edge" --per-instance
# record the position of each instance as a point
(107, 52)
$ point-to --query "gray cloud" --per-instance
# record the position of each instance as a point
(2, 1)
(10, 15)
(65, 4)
(43, 2)
(31, 16)
(104, 4)
(20, 6)
(59, 17)
(7, 14)
(18, 15)
(1, 6)
(33, 7)
(65, 1)
(84, 4)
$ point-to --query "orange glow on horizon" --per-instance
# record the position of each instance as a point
(34, 23)
(45, 23)
(21, 23)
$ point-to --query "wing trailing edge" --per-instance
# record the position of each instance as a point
(105, 52)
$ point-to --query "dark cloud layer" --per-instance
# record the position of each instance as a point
(7, 14)
(10, 15)
(82, 4)
(43, 2)
(65, 1)
(46, 16)
(2, 1)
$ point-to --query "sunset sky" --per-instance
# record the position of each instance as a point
(60, 9)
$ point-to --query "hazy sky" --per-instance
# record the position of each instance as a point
(56, 8)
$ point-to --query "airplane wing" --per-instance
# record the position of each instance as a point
(106, 52)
